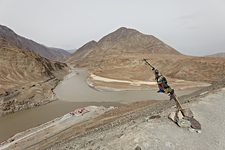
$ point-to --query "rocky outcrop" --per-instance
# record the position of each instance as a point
(27, 97)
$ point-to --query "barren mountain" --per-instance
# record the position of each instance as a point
(132, 41)
(58, 54)
(24, 43)
(26, 78)
(71, 51)
(119, 55)
(217, 55)
(85, 50)
(121, 42)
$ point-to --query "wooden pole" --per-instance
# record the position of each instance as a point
(174, 97)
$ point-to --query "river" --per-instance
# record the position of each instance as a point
(73, 93)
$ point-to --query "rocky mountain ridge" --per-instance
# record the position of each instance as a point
(23, 43)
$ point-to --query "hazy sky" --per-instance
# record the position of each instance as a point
(195, 27)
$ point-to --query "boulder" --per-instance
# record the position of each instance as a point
(187, 112)
(185, 119)
(179, 115)
(172, 116)
(183, 123)
(137, 148)
(194, 123)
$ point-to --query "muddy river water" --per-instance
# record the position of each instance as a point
(73, 93)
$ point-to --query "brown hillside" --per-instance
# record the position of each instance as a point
(222, 55)
(173, 66)
(26, 78)
(119, 55)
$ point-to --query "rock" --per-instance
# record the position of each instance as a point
(198, 131)
(194, 123)
(183, 123)
(11, 140)
(137, 148)
(187, 112)
(172, 116)
(147, 119)
(195, 130)
(155, 117)
(179, 115)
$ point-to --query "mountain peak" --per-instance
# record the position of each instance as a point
(123, 41)
(125, 29)
(131, 40)
(89, 45)
(124, 32)
(122, 28)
